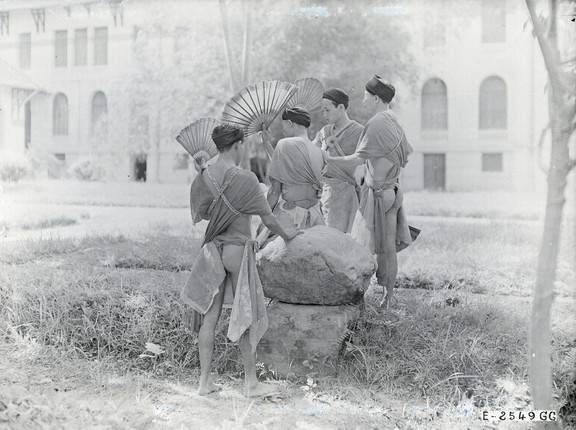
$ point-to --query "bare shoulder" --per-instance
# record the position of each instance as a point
(286, 141)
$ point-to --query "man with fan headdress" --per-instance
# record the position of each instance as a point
(339, 138)
(295, 174)
(225, 270)
(380, 222)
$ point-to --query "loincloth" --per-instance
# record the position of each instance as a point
(248, 302)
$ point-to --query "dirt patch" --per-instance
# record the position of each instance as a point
(46, 389)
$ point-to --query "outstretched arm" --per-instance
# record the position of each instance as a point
(274, 193)
(352, 159)
(275, 227)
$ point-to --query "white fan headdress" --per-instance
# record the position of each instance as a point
(309, 94)
(197, 139)
(257, 105)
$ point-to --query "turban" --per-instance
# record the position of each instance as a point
(297, 115)
(225, 135)
(337, 96)
(381, 88)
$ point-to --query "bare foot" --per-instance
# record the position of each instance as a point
(261, 390)
(385, 303)
(210, 387)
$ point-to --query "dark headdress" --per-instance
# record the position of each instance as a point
(337, 96)
(381, 88)
(298, 115)
(225, 135)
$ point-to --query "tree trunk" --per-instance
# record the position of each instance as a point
(247, 45)
(540, 348)
(561, 116)
(227, 46)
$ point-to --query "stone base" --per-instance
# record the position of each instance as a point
(305, 339)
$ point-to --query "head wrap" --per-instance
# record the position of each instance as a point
(337, 96)
(298, 115)
(225, 135)
(381, 88)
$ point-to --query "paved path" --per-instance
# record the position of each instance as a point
(97, 220)
(135, 221)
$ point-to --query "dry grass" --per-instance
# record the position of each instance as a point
(480, 204)
(106, 298)
(456, 339)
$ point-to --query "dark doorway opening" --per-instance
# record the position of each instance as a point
(140, 168)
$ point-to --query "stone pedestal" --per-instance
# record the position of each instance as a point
(305, 339)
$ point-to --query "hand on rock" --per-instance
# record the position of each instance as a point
(291, 233)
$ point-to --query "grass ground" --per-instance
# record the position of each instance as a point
(77, 315)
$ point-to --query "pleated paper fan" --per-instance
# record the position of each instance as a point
(256, 106)
(197, 139)
(309, 94)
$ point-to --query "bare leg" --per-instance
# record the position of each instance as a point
(206, 344)
(252, 387)
(388, 260)
(388, 269)
(232, 259)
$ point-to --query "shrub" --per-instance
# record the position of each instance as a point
(44, 162)
(13, 166)
(86, 169)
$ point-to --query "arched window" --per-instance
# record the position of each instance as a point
(99, 110)
(60, 115)
(493, 105)
(434, 105)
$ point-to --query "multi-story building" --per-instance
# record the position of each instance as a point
(474, 119)
(479, 109)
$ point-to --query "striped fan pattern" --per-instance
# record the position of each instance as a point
(197, 139)
(309, 94)
(256, 106)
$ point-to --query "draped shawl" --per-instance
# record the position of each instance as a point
(339, 145)
(297, 162)
(383, 136)
(239, 195)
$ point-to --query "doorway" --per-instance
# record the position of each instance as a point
(140, 168)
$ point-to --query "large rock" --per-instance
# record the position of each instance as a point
(323, 266)
(305, 339)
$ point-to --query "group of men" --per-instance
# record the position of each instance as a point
(346, 178)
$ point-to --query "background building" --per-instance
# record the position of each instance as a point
(474, 116)
(477, 113)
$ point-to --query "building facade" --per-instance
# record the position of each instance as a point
(474, 119)
(477, 113)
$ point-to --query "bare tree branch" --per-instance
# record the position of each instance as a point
(563, 80)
